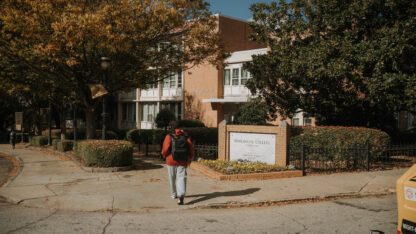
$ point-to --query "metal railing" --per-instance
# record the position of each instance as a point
(325, 159)
(399, 151)
(206, 151)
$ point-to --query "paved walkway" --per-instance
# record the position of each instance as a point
(53, 181)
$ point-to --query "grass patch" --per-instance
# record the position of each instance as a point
(240, 167)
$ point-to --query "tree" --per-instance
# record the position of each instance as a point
(254, 112)
(62, 42)
(163, 118)
(344, 62)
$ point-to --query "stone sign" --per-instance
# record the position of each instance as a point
(253, 147)
(267, 144)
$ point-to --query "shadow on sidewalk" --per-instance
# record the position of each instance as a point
(140, 164)
(207, 196)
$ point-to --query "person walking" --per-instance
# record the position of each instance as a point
(178, 151)
(13, 139)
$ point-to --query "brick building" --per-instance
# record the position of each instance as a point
(202, 92)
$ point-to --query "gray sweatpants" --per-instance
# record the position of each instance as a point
(177, 180)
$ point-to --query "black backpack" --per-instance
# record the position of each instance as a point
(180, 147)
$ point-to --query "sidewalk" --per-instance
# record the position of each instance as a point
(53, 181)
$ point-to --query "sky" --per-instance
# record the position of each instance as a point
(235, 8)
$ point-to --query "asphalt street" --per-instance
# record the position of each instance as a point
(340, 216)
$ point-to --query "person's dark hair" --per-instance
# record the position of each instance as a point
(174, 124)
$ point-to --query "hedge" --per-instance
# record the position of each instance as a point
(38, 140)
(339, 137)
(105, 153)
(156, 136)
(65, 145)
(190, 123)
(81, 134)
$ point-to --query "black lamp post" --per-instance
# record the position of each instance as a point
(105, 64)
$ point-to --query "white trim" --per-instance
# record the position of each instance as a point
(230, 17)
(225, 100)
(244, 55)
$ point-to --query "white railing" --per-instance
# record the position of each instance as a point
(149, 93)
(146, 125)
(172, 93)
(236, 90)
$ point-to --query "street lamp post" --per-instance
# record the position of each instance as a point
(105, 64)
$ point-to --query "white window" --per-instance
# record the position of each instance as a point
(173, 81)
(244, 76)
(227, 77)
(307, 121)
(149, 111)
(174, 107)
(235, 78)
(295, 122)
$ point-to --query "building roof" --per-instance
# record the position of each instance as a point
(244, 55)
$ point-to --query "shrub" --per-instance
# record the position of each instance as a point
(55, 143)
(203, 135)
(81, 134)
(156, 136)
(110, 135)
(121, 133)
(163, 118)
(190, 123)
(38, 140)
(108, 153)
(143, 136)
(55, 133)
(65, 145)
(339, 137)
(254, 112)
(240, 167)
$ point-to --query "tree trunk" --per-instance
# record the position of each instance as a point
(90, 123)
(62, 124)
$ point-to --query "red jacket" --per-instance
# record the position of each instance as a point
(167, 148)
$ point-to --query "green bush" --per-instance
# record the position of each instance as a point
(121, 133)
(156, 136)
(81, 134)
(203, 135)
(240, 167)
(189, 123)
(143, 136)
(254, 112)
(55, 133)
(55, 143)
(339, 137)
(107, 153)
(38, 140)
(163, 118)
(65, 145)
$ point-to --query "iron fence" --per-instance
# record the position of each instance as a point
(399, 151)
(324, 159)
(206, 151)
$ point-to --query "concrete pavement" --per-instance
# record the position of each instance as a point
(53, 181)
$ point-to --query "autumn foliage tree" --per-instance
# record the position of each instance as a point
(62, 41)
(344, 62)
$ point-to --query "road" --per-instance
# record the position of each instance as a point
(359, 215)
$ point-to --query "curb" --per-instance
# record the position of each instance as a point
(291, 201)
(17, 164)
(252, 176)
